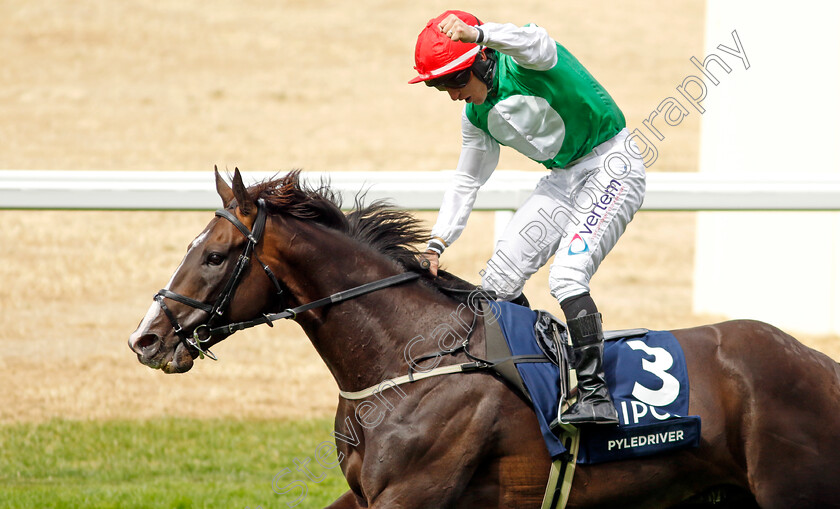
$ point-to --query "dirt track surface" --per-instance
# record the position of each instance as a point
(270, 86)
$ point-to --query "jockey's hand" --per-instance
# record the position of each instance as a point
(457, 30)
(432, 259)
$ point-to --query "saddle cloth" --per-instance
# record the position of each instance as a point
(645, 371)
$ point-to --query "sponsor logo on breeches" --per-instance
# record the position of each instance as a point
(563, 217)
(600, 208)
(594, 219)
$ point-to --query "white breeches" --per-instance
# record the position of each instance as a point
(575, 213)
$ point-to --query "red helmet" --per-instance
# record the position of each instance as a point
(436, 54)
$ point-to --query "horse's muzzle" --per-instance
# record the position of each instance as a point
(145, 346)
(149, 348)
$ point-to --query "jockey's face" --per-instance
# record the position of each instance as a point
(474, 92)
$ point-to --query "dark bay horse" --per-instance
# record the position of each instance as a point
(770, 407)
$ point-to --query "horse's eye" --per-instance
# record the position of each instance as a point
(215, 259)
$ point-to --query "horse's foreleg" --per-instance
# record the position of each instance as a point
(346, 501)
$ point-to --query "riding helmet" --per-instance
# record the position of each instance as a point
(437, 55)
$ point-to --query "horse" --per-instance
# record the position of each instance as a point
(769, 405)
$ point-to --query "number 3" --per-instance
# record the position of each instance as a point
(662, 361)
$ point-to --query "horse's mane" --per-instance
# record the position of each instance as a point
(392, 232)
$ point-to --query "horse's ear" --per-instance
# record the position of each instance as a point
(223, 188)
(247, 206)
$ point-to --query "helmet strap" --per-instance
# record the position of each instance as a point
(484, 67)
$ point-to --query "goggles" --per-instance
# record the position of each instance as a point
(458, 79)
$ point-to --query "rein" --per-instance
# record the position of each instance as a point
(335, 298)
(204, 332)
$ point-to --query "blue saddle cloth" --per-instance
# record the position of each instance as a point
(648, 381)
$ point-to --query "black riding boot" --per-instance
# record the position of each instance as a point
(594, 404)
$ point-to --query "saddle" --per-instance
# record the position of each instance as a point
(530, 351)
(552, 338)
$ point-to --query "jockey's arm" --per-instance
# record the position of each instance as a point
(479, 157)
(530, 46)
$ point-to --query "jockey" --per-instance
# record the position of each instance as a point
(524, 90)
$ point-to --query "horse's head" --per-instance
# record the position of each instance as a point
(220, 280)
(234, 277)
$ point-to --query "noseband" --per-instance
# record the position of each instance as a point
(203, 332)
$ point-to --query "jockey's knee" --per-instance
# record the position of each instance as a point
(566, 282)
(506, 286)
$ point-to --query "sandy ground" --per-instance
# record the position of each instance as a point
(270, 86)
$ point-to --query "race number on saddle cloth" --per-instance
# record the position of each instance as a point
(646, 375)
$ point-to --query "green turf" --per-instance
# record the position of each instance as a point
(168, 463)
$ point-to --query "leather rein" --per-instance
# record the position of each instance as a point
(205, 332)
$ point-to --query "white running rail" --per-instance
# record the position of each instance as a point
(414, 190)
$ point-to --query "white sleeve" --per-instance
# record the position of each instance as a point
(479, 157)
(530, 46)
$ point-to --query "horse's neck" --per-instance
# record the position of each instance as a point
(364, 340)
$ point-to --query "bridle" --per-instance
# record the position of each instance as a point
(204, 332)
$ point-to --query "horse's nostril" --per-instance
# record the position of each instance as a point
(146, 345)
